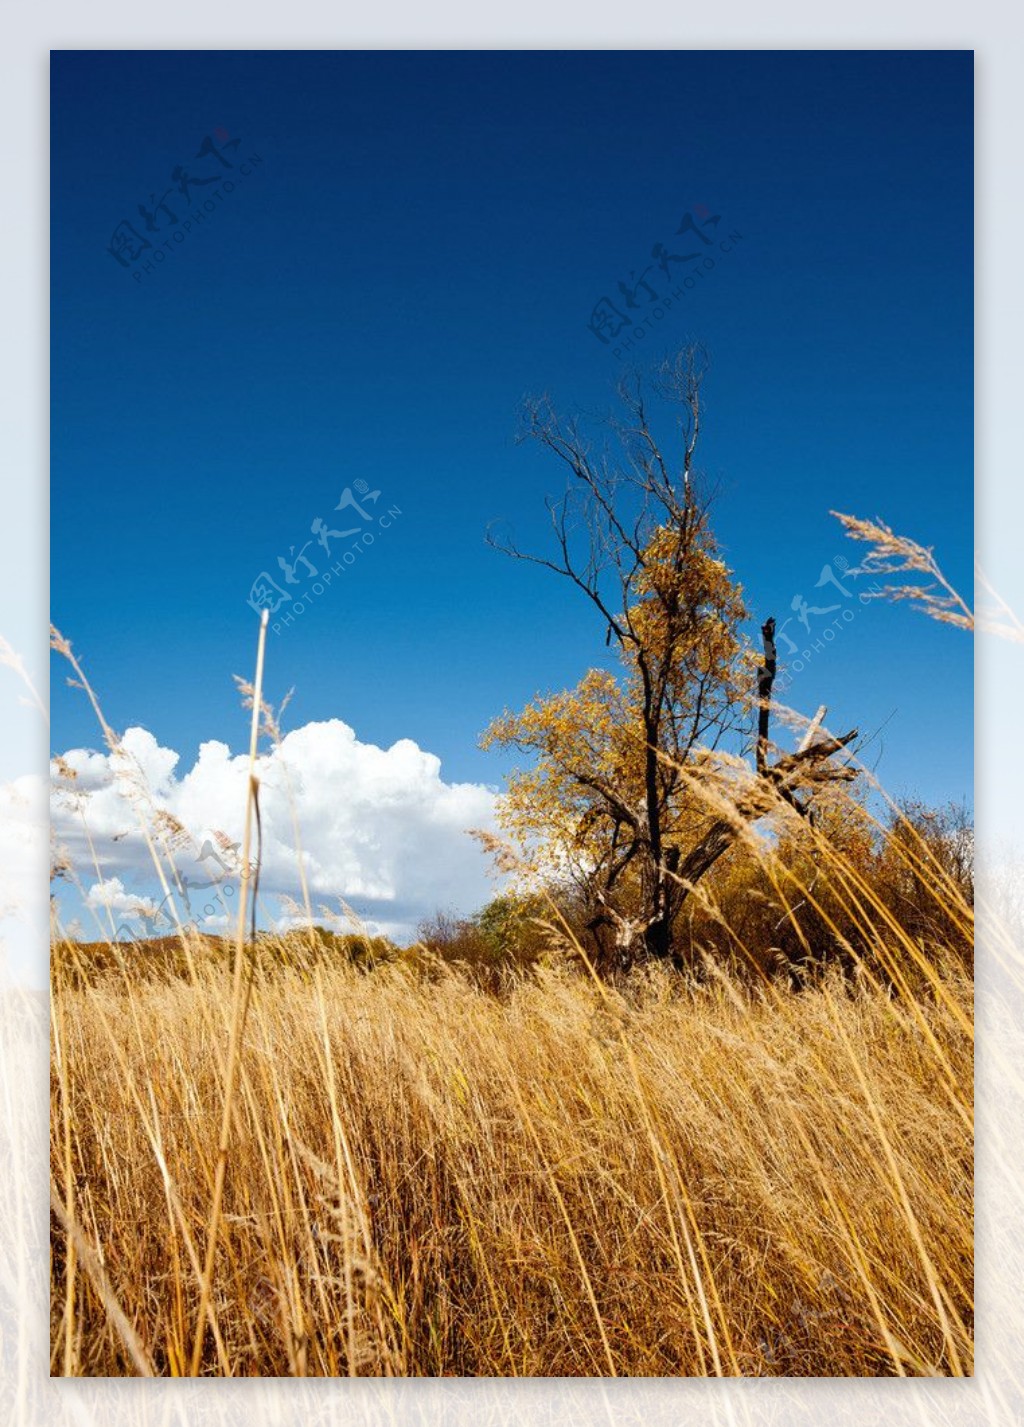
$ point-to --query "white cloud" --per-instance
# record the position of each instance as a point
(110, 894)
(379, 828)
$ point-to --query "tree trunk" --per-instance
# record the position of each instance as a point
(765, 680)
(658, 937)
(658, 933)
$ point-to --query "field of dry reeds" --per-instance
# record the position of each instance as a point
(426, 1178)
(420, 1163)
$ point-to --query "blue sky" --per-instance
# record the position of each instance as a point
(418, 245)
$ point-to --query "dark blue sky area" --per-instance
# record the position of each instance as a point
(419, 246)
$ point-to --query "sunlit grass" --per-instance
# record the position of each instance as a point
(426, 1179)
(329, 1157)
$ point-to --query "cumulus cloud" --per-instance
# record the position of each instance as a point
(111, 895)
(379, 829)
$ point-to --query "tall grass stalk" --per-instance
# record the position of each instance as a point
(239, 1007)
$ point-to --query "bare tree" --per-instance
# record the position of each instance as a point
(634, 537)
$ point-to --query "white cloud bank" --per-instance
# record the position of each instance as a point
(379, 828)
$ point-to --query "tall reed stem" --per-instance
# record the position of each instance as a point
(239, 1005)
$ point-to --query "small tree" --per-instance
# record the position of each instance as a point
(611, 798)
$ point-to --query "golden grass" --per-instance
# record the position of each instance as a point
(425, 1179)
(294, 1166)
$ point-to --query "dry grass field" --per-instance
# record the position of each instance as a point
(300, 1155)
(567, 1179)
